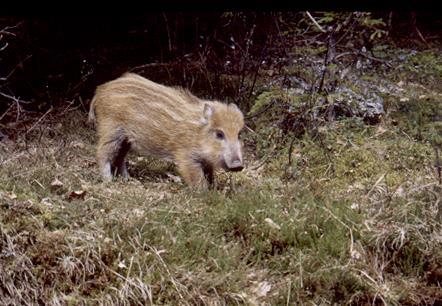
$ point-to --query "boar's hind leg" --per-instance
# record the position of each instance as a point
(119, 162)
(112, 149)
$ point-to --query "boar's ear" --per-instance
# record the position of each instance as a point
(207, 113)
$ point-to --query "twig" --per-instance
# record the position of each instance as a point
(249, 129)
(5, 46)
(7, 111)
(244, 57)
(438, 164)
(15, 99)
(375, 184)
(17, 103)
(149, 65)
(315, 22)
(38, 121)
(364, 55)
(5, 29)
(263, 161)
(327, 59)
(260, 112)
(416, 29)
(292, 142)
(260, 63)
(348, 28)
(15, 68)
(168, 32)
(168, 272)
(345, 225)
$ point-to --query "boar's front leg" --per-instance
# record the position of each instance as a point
(208, 173)
(104, 163)
(193, 173)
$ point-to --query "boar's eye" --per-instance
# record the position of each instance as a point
(219, 134)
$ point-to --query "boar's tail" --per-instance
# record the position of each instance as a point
(91, 117)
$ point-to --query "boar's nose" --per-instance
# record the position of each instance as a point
(236, 165)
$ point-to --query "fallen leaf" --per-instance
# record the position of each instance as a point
(77, 144)
(78, 194)
(400, 192)
(296, 153)
(174, 178)
(138, 212)
(46, 201)
(56, 183)
(355, 254)
(122, 265)
(272, 223)
(341, 142)
(12, 196)
(262, 289)
(380, 130)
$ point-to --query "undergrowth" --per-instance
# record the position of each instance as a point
(344, 213)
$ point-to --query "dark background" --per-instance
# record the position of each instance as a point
(51, 60)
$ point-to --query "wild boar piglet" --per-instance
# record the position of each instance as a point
(134, 113)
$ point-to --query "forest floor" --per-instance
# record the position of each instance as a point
(355, 218)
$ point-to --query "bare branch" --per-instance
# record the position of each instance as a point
(15, 99)
(38, 121)
(5, 30)
(315, 22)
(149, 65)
(4, 47)
(15, 68)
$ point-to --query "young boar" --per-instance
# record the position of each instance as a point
(198, 135)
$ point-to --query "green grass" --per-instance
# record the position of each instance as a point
(355, 219)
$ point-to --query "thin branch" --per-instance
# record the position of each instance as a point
(315, 22)
(16, 101)
(4, 47)
(364, 55)
(327, 59)
(260, 112)
(5, 29)
(15, 68)
(13, 98)
(168, 32)
(262, 162)
(38, 121)
(437, 164)
(7, 111)
(149, 65)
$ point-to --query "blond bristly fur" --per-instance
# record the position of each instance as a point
(132, 112)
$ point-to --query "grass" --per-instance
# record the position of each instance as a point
(355, 219)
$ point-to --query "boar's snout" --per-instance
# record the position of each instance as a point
(233, 157)
(236, 165)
